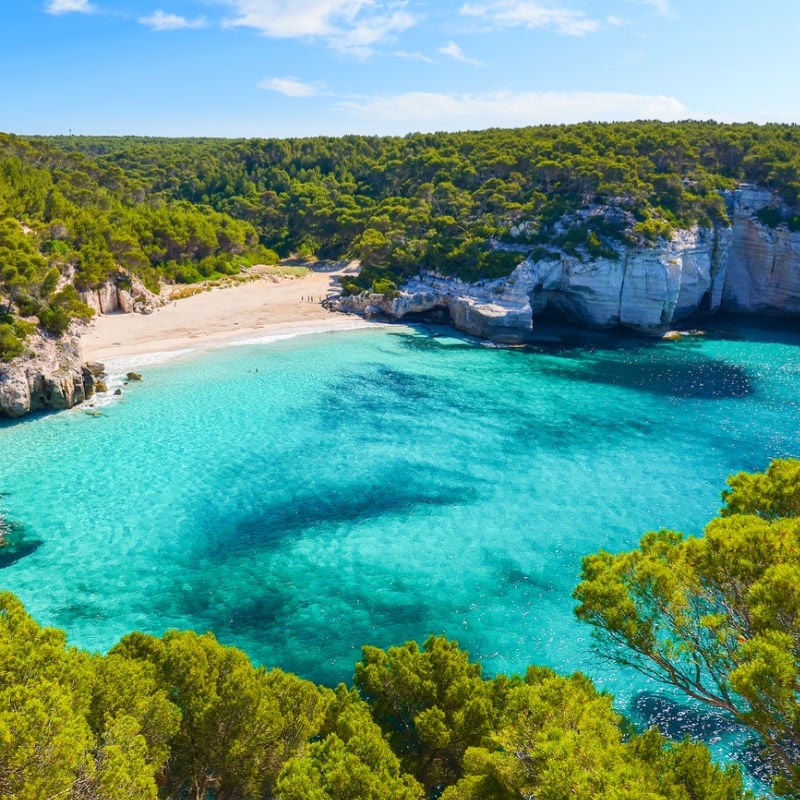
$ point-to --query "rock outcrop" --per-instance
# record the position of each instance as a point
(50, 376)
(125, 293)
(763, 264)
(748, 267)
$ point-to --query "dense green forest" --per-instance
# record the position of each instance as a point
(183, 717)
(74, 210)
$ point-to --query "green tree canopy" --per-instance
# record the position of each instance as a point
(716, 617)
(432, 703)
(238, 723)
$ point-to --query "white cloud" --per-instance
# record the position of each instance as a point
(161, 21)
(663, 7)
(617, 22)
(429, 111)
(351, 25)
(66, 6)
(413, 56)
(531, 15)
(291, 87)
(454, 51)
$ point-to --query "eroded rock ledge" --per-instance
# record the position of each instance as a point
(51, 376)
(745, 268)
(125, 293)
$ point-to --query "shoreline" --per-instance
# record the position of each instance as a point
(262, 310)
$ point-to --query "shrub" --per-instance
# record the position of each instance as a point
(11, 345)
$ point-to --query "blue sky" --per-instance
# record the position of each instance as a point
(308, 67)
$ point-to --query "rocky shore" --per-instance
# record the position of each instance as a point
(51, 376)
(747, 267)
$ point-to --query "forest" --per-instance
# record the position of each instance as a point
(714, 618)
(78, 211)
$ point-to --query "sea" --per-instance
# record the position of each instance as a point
(303, 497)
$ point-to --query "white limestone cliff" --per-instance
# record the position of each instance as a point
(763, 274)
(745, 268)
(125, 293)
(50, 376)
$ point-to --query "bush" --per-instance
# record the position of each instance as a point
(11, 345)
(385, 287)
(650, 230)
(23, 328)
(28, 306)
(65, 306)
(350, 288)
(56, 320)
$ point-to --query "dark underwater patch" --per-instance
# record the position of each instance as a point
(369, 396)
(511, 573)
(293, 639)
(676, 720)
(12, 552)
(305, 512)
(665, 373)
(14, 544)
(381, 383)
(79, 611)
(430, 339)
(261, 615)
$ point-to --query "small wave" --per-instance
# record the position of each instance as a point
(278, 337)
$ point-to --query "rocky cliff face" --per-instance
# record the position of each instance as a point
(746, 268)
(126, 294)
(52, 376)
(763, 263)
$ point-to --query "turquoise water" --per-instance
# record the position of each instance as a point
(305, 497)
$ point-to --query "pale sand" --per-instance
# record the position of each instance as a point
(260, 309)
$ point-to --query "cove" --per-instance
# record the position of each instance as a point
(304, 497)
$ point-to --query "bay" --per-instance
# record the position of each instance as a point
(304, 497)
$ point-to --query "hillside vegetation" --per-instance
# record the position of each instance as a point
(74, 211)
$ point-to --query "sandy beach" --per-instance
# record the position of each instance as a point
(256, 309)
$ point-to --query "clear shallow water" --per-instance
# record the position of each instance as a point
(376, 486)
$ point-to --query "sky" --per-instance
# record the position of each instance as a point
(278, 68)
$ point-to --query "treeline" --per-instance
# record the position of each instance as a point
(182, 717)
(466, 204)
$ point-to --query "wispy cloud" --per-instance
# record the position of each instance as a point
(509, 13)
(354, 26)
(617, 22)
(454, 51)
(413, 56)
(430, 111)
(663, 7)
(291, 87)
(161, 21)
(67, 6)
